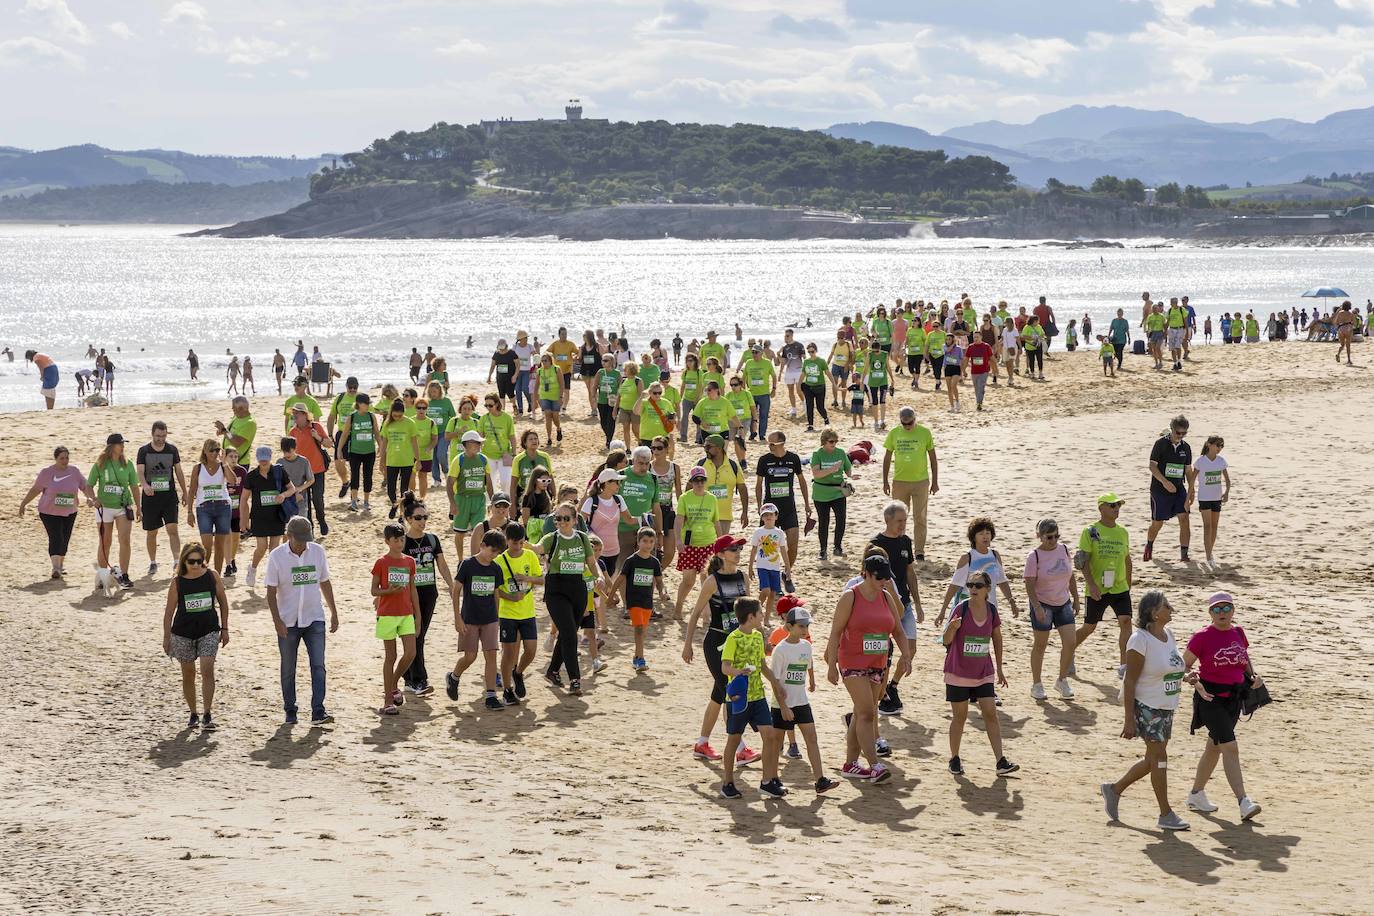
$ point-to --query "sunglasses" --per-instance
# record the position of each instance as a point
(562, 518)
(977, 585)
(1112, 505)
(195, 561)
(1222, 608)
(735, 549)
(736, 385)
(490, 403)
(212, 451)
(659, 448)
(420, 518)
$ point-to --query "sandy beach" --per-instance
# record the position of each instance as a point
(596, 803)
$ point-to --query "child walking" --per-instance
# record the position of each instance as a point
(640, 576)
(398, 613)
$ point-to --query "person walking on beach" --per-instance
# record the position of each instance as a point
(911, 472)
(398, 614)
(1176, 327)
(1346, 322)
(1172, 478)
(297, 578)
(57, 487)
(208, 505)
(278, 368)
(240, 432)
(193, 362)
(192, 629)
(1151, 691)
(48, 375)
(231, 373)
(164, 489)
(311, 442)
(1221, 653)
(1052, 600)
(973, 662)
(1119, 333)
(115, 482)
(248, 376)
(1213, 488)
(1104, 559)
(269, 488)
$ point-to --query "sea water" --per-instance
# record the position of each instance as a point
(147, 294)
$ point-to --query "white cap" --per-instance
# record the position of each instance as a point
(617, 445)
(472, 435)
(608, 474)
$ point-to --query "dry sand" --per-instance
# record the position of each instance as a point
(596, 802)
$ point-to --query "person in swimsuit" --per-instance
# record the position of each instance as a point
(1345, 321)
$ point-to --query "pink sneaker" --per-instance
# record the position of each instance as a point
(745, 756)
(702, 750)
(880, 773)
(856, 770)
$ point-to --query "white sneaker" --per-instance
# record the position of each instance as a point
(252, 576)
(1064, 689)
(1197, 801)
(1248, 809)
(598, 663)
(1037, 691)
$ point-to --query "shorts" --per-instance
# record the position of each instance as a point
(856, 408)
(956, 694)
(909, 621)
(550, 406)
(693, 559)
(267, 523)
(1156, 337)
(480, 635)
(105, 515)
(756, 714)
(877, 395)
(390, 626)
(186, 649)
(791, 376)
(426, 465)
(1219, 715)
(1120, 603)
(1153, 724)
(951, 371)
(567, 380)
(787, 514)
(1060, 615)
(669, 518)
(471, 510)
(159, 511)
(588, 621)
(213, 518)
(49, 380)
(801, 715)
(873, 674)
(624, 415)
(1175, 338)
(640, 616)
(513, 630)
(1209, 505)
(1165, 506)
(770, 580)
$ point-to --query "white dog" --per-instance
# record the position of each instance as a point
(105, 582)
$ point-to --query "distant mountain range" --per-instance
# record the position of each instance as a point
(24, 172)
(1079, 143)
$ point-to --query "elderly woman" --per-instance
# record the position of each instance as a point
(1052, 598)
(1151, 690)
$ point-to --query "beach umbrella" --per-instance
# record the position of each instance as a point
(1326, 292)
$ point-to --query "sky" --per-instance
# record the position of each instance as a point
(309, 76)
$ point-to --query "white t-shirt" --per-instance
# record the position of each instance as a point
(979, 562)
(771, 542)
(1009, 336)
(1209, 482)
(524, 353)
(1161, 681)
(790, 665)
(297, 580)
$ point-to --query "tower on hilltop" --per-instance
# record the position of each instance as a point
(573, 110)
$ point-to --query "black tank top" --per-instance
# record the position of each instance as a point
(729, 587)
(196, 614)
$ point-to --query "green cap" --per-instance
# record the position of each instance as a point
(1109, 498)
(715, 439)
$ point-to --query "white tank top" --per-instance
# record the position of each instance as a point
(211, 487)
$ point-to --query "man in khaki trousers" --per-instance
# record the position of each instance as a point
(911, 472)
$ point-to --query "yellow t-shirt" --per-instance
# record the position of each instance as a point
(564, 353)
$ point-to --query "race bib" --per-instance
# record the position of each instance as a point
(113, 489)
(502, 369)
(780, 489)
(233, 502)
(795, 673)
(978, 646)
(1173, 470)
(875, 644)
(424, 575)
(719, 491)
(160, 484)
(363, 435)
(213, 492)
(198, 603)
(756, 381)
(1212, 478)
(483, 585)
(305, 575)
(1173, 682)
(64, 500)
(269, 497)
(397, 575)
(643, 578)
(472, 483)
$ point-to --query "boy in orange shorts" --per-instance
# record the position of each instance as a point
(640, 575)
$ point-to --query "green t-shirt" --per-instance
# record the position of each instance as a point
(710, 350)
(312, 405)
(1177, 317)
(1107, 550)
(915, 340)
(114, 483)
(742, 650)
(1251, 327)
(699, 515)
(639, 493)
(523, 466)
(628, 392)
(440, 411)
(550, 383)
(457, 426)
(400, 438)
(910, 452)
(607, 382)
(343, 406)
(1031, 335)
(877, 369)
(758, 375)
(247, 429)
(935, 344)
(469, 474)
(361, 439)
(813, 372)
(567, 556)
(425, 434)
(1106, 351)
(831, 464)
(743, 403)
(882, 330)
(715, 414)
(498, 433)
(1154, 322)
(693, 386)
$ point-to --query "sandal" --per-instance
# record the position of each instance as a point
(389, 710)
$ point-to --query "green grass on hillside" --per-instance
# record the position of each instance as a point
(156, 169)
(1295, 191)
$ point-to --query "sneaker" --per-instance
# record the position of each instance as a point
(1198, 801)
(1172, 821)
(1038, 691)
(322, 719)
(410, 688)
(824, 556)
(575, 686)
(1065, 690)
(290, 719)
(745, 756)
(880, 773)
(825, 784)
(208, 723)
(232, 569)
(353, 505)
(597, 664)
(343, 490)
(996, 700)
(891, 703)
(702, 750)
(252, 577)
(883, 748)
(1248, 809)
(1149, 552)
(152, 569)
(839, 552)
(1112, 802)
(451, 685)
(793, 752)
(773, 787)
(519, 680)
(554, 679)
(640, 664)
(391, 513)
(492, 702)
(956, 766)
(124, 581)
(1005, 766)
(193, 721)
(424, 690)
(509, 698)
(856, 770)
(729, 791)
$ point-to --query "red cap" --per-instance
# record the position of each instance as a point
(725, 542)
(787, 602)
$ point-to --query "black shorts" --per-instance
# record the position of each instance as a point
(885, 347)
(588, 620)
(950, 371)
(956, 694)
(801, 715)
(1120, 603)
(877, 395)
(567, 380)
(1219, 715)
(1165, 506)
(787, 512)
(517, 630)
(159, 511)
(1209, 505)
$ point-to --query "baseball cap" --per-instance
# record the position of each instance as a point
(472, 435)
(798, 615)
(498, 498)
(608, 475)
(726, 542)
(1109, 497)
(1220, 598)
(767, 508)
(716, 440)
(788, 602)
(696, 474)
(263, 453)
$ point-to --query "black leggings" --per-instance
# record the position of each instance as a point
(566, 598)
(1035, 361)
(913, 363)
(314, 504)
(710, 648)
(606, 413)
(416, 674)
(1120, 349)
(815, 401)
(823, 510)
(396, 476)
(360, 469)
(59, 528)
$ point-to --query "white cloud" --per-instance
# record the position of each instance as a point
(463, 47)
(30, 51)
(187, 13)
(121, 30)
(247, 52)
(679, 15)
(59, 20)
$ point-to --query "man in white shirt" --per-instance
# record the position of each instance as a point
(297, 577)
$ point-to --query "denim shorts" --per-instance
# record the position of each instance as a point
(213, 518)
(1060, 615)
(770, 579)
(909, 620)
(550, 406)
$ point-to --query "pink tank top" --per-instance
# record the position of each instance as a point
(864, 642)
